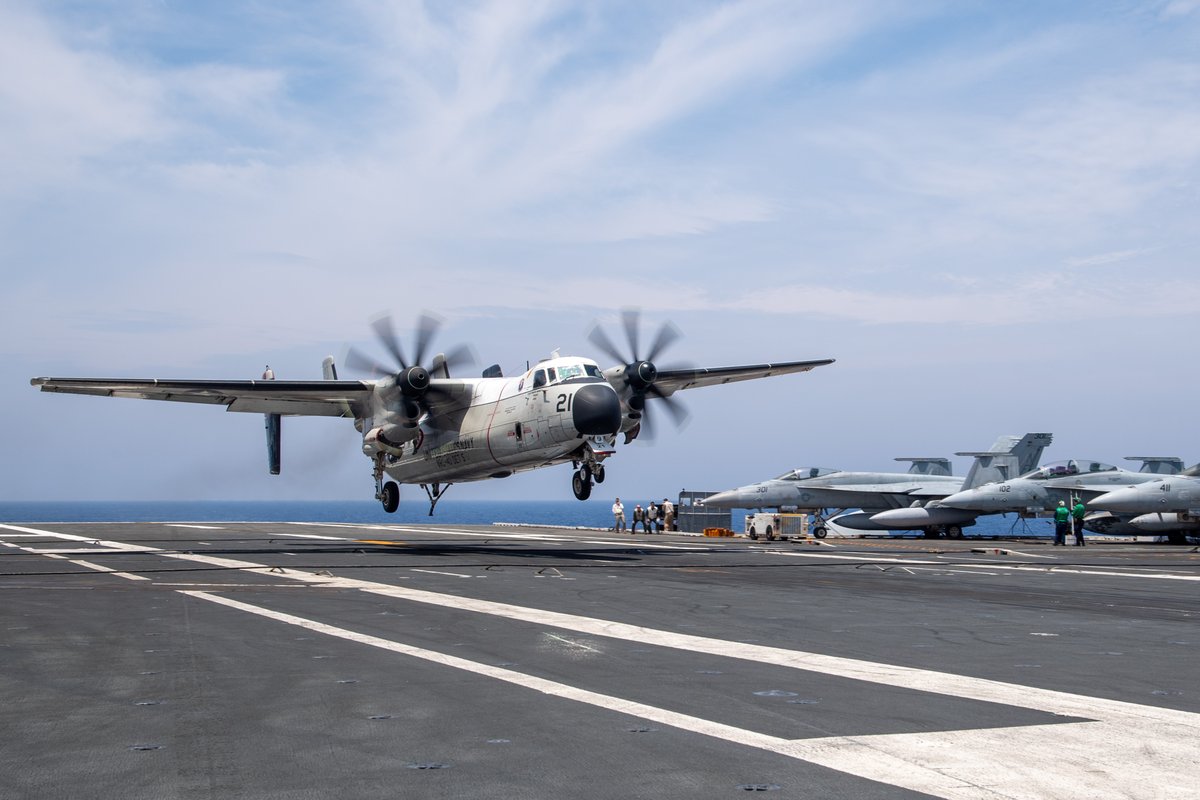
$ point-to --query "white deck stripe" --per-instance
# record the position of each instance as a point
(313, 536)
(1044, 569)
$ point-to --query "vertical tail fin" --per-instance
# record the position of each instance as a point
(273, 433)
(1009, 457)
(928, 466)
(1159, 465)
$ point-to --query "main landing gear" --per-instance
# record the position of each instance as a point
(389, 493)
(386, 493)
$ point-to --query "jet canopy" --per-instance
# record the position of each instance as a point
(804, 473)
(1067, 468)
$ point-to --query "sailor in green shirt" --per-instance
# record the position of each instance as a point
(1077, 513)
(1062, 515)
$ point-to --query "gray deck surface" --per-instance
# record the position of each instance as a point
(289, 660)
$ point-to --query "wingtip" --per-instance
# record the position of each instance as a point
(37, 381)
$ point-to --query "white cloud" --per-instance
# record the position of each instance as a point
(60, 104)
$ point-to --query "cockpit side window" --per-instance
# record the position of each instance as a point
(539, 379)
(553, 377)
(592, 370)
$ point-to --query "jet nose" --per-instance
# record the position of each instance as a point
(961, 499)
(1117, 500)
(727, 499)
(596, 410)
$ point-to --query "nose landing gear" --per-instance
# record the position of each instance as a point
(581, 483)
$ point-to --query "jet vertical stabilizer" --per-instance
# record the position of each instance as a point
(1008, 458)
(928, 466)
(1159, 465)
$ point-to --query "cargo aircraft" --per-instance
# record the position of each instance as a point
(420, 425)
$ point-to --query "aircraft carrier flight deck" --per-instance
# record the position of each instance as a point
(306, 660)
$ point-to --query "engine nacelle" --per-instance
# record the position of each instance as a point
(388, 439)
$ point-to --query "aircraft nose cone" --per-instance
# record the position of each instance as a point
(596, 410)
(1117, 500)
(722, 500)
(968, 499)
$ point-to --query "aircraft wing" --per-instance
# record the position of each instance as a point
(670, 381)
(295, 398)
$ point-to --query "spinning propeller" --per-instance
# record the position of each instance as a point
(641, 373)
(411, 379)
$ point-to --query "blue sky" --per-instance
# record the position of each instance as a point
(987, 212)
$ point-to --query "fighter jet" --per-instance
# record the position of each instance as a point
(1169, 505)
(940, 511)
(1042, 488)
(818, 490)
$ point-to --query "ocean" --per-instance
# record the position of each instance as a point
(563, 513)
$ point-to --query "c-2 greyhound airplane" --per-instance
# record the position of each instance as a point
(419, 425)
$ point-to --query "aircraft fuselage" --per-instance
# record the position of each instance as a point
(510, 426)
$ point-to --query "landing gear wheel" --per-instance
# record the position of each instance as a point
(581, 486)
(390, 496)
(820, 531)
(954, 532)
(598, 473)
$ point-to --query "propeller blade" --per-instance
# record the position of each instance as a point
(427, 328)
(460, 356)
(598, 337)
(629, 317)
(387, 334)
(667, 335)
(360, 362)
(679, 413)
(646, 428)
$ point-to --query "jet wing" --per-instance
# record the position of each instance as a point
(294, 398)
(670, 381)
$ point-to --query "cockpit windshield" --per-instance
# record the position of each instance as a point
(1067, 468)
(803, 473)
(568, 371)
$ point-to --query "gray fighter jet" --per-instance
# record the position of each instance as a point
(1042, 488)
(820, 491)
(1166, 505)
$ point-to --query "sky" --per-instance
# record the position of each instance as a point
(986, 212)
